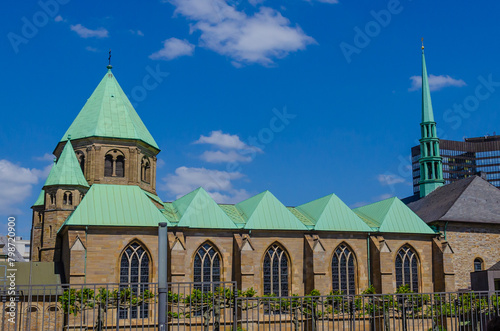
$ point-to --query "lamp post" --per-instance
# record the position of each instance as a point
(162, 276)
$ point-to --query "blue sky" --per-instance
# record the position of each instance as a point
(345, 73)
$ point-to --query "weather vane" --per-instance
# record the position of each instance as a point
(422, 44)
(109, 57)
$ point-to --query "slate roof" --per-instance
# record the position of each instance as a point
(392, 215)
(495, 267)
(471, 199)
(109, 113)
(66, 171)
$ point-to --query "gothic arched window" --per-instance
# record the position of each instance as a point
(207, 265)
(276, 271)
(343, 270)
(407, 268)
(134, 275)
(108, 166)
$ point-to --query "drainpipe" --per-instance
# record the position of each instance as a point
(445, 226)
(85, 266)
(368, 254)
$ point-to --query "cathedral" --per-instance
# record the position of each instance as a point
(98, 212)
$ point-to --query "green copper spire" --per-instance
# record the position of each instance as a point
(431, 167)
(427, 114)
(109, 113)
(66, 171)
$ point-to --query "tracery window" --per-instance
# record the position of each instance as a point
(478, 264)
(343, 270)
(206, 266)
(134, 274)
(407, 268)
(276, 271)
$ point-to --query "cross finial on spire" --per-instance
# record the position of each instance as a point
(422, 43)
(109, 60)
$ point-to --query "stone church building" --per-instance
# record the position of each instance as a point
(98, 213)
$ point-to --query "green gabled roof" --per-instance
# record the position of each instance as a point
(392, 215)
(264, 211)
(198, 210)
(66, 171)
(40, 201)
(169, 212)
(331, 214)
(115, 205)
(109, 113)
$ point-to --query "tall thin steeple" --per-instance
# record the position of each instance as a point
(431, 166)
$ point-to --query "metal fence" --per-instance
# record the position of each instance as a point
(218, 306)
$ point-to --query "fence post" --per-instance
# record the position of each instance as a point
(162, 276)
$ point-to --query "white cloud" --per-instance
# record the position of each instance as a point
(17, 183)
(91, 49)
(259, 38)
(435, 82)
(328, 1)
(173, 48)
(233, 196)
(88, 33)
(137, 32)
(390, 179)
(221, 157)
(45, 157)
(225, 141)
(216, 182)
(58, 18)
(382, 197)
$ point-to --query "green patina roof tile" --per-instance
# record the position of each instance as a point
(66, 171)
(115, 205)
(302, 217)
(264, 211)
(331, 214)
(198, 210)
(392, 215)
(234, 215)
(153, 196)
(169, 212)
(40, 201)
(109, 113)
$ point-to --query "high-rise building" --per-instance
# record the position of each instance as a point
(462, 159)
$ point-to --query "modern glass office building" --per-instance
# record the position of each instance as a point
(462, 159)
